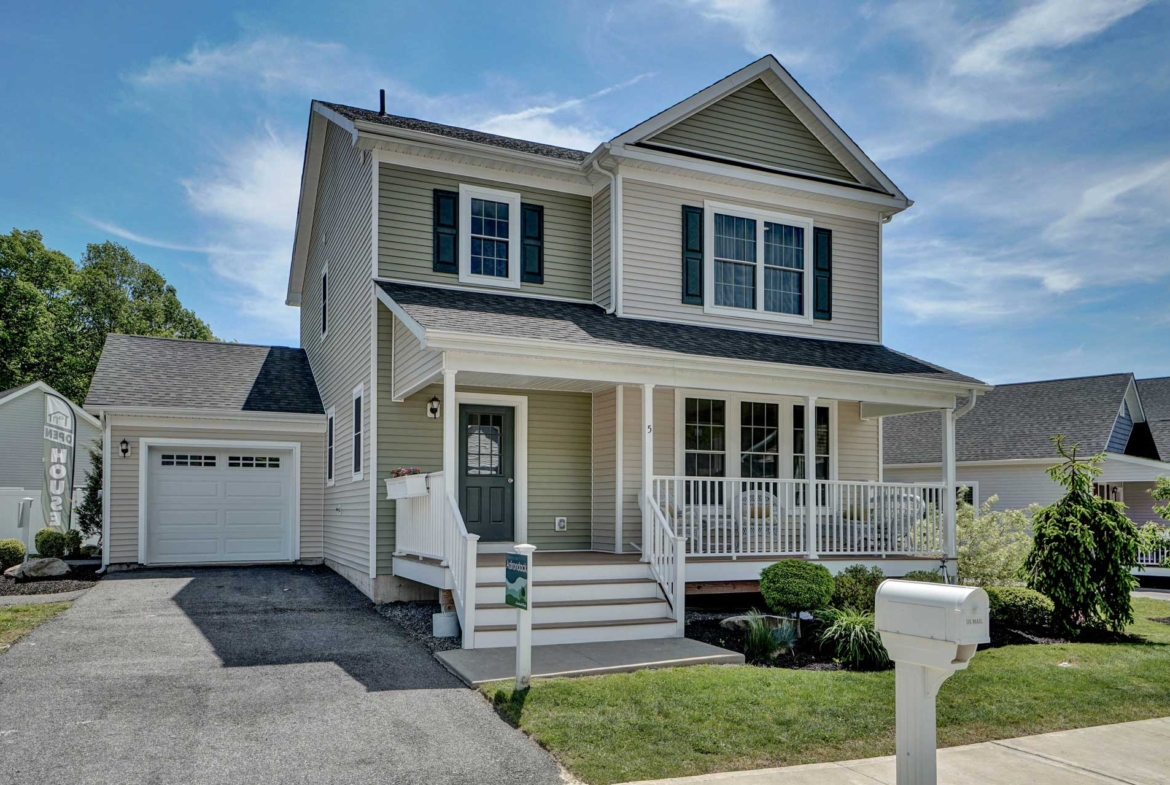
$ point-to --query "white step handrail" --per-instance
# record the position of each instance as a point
(667, 555)
(460, 549)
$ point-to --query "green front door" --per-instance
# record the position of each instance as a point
(487, 488)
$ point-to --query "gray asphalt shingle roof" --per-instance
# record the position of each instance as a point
(455, 132)
(1014, 421)
(1155, 395)
(481, 313)
(171, 373)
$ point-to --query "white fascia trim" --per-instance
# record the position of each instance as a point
(1162, 466)
(407, 320)
(145, 443)
(39, 385)
(889, 204)
(312, 421)
(440, 340)
(375, 131)
(306, 203)
(731, 83)
(519, 403)
(510, 198)
(760, 217)
(484, 171)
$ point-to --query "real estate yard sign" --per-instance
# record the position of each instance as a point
(516, 580)
(60, 435)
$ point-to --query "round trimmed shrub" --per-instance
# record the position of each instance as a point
(856, 586)
(51, 544)
(11, 553)
(924, 576)
(792, 586)
(1019, 608)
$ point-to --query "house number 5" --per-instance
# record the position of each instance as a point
(649, 429)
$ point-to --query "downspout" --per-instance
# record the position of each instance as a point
(967, 407)
(615, 234)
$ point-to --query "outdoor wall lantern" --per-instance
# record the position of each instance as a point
(125, 447)
(434, 408)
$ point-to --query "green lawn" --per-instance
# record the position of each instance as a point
(686, 721)
(16, 621)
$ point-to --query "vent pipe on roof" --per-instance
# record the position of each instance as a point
(381, 103)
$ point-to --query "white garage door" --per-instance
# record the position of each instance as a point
(219, 505)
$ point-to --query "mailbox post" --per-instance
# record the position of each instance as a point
(930, 631)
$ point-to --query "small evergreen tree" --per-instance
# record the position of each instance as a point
(1083, 551)
(89, 511)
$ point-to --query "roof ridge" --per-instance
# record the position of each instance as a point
(199, 340)
(1066, 379)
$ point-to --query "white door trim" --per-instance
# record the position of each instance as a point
(520, 438)
(145, 443)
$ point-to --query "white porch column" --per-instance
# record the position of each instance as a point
(948, 464)
(647, 464)
(810, 473)
(450, 429)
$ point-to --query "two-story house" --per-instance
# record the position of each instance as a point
(660, 362)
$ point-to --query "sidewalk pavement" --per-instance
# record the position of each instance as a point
(1135, 753)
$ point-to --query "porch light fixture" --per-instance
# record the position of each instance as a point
(434, 408)
(125, 447)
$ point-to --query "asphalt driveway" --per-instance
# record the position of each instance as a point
(247, 675)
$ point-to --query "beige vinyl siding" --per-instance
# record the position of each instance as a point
(857, 444)
(652, 266)
(559, 461)
(601, 248)
(406, 240)
(604, 469)
(413, 365)
(389, 415)
(753, 125)
(341, 237)
(23, 438)
(124, 482)
(632, 454)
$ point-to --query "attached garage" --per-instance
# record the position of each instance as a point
(214, 453)
(210, 504)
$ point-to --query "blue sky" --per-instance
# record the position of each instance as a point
(1031, 135)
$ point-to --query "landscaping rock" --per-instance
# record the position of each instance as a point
(35, 569)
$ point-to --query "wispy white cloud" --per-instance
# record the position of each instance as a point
(758, 24)
(123, 233)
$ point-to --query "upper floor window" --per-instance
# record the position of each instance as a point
(758, 263)
(489, 236)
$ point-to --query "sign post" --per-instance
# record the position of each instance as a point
(518, 594)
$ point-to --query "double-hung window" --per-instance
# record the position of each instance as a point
(759, 440)
(822, 453)
(357, 433)
(329, 435)
(489, 236)
(759, 263)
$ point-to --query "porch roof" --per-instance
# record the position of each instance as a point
(509, 316)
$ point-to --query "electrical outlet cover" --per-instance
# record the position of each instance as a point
(562, 524)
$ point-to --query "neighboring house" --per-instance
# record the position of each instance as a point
(614, 355)
(1004, 445)
(22, 470)
(214, 452)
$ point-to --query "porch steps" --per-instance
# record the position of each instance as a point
(580, 598)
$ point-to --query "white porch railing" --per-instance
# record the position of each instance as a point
(431, 526)
(1155, 557)
(667, 554)
(741, 517)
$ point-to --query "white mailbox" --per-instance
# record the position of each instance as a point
(930, 631)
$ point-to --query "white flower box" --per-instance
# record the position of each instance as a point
(406, 487)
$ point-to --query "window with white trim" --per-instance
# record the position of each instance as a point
(324, 302)
(329, 446)
(759, 440)
(758, 263)
(822, 442)
(489, 236)
(357, 433)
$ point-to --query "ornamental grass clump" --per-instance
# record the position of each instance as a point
(1083, 552)
(853, 639)
(764, 642)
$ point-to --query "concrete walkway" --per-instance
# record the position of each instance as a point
(1136, 753)
(478, 666)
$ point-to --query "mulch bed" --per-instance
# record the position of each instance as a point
(414, 618)
(81, 577)
(704, 625)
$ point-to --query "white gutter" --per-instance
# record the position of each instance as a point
(968, 406)
(615, 233)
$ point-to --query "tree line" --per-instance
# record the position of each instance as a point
(55, 313)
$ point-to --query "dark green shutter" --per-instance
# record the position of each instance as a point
(692, 255)
(822, 274)
(446, 221)
(532, 243)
